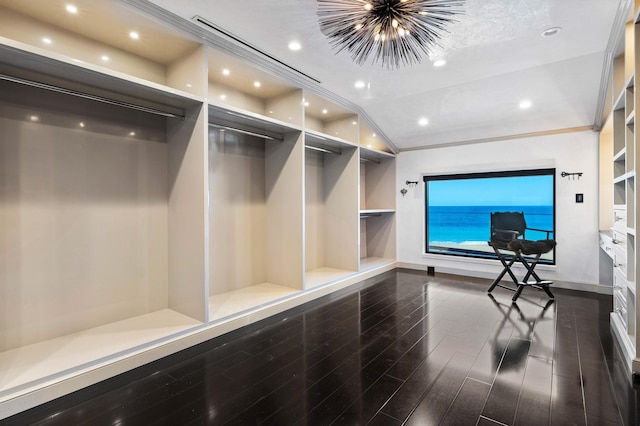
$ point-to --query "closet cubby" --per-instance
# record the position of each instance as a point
(255, 214)
(377, 208)
(98, 40)
(371, 140)
(238, 87)
(331, 209)
(100, 246)
(328, 118)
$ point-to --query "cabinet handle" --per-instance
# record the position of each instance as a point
(614, 241)
(617, 310)
(618, 218)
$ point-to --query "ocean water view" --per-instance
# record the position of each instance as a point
(470, 225)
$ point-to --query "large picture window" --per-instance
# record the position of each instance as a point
(458, 209)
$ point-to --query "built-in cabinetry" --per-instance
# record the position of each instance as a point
(156, 191)
(618, 241)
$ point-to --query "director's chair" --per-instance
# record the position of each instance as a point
(508, 233)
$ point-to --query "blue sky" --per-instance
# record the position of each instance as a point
(502, 191)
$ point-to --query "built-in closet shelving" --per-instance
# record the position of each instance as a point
(619, 241)
(331, 191)
(102, 241)
(160, 191)
(377, 208)
(255, 186)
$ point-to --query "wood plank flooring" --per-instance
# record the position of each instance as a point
(401, 348)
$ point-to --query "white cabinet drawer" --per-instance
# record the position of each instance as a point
(620, 219)
(605, 244)
(620, 262)
(619, 240)
(619, 282)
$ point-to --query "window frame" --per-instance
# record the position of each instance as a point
(551, 171)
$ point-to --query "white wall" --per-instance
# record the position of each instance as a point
(576, 224)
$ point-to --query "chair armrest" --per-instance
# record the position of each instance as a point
(504, 235)
(541, 230)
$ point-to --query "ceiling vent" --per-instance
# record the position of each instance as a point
(220, 31)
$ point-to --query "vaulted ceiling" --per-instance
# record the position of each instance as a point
(496, 58)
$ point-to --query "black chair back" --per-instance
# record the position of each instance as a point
(507, 221)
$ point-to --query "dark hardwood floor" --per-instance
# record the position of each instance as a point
(402, 348)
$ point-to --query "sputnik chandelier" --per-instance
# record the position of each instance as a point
(393, 32)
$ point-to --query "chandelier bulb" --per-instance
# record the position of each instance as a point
(368, 6)
(394, 23)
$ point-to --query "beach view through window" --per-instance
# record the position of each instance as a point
(459, 206)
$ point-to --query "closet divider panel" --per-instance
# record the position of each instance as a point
(284, 178)
(341, 211)
(188, 218)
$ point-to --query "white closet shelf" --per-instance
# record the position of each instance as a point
(234, 119)
(325, 275)
(30, 63)
(47, 360)
(317, 139)
(375, 212)
(367, 263)
(621, 155)
(244, 299)
(374, 155)
(631, 118)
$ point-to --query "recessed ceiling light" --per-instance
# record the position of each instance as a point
(325, 111)
(360, 84)
(354, 122)
(423, 121)
(132, 133)
(226, 72)
(374, 135)
(47, 40)
(369, 146)
(81, 124)
(439, 63)
(306, 104)
(134, 35)
(294, 45)
(257, 84)
(550, 32)
(104, 58)
(526, 103)
(72, 9)
(223, 97)
(34, 118)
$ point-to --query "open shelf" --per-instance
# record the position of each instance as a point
(325, 118)
(331, 206)
(89, 201)
(234, 302)
(256, 219)
(377, 207)
(50, 359)
(85, 45)
(237, 85)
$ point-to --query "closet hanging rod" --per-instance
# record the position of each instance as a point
(88, 96)
(245, 132)
(366, 160)
(328, 151)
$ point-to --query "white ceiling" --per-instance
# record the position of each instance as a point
(495, 54)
